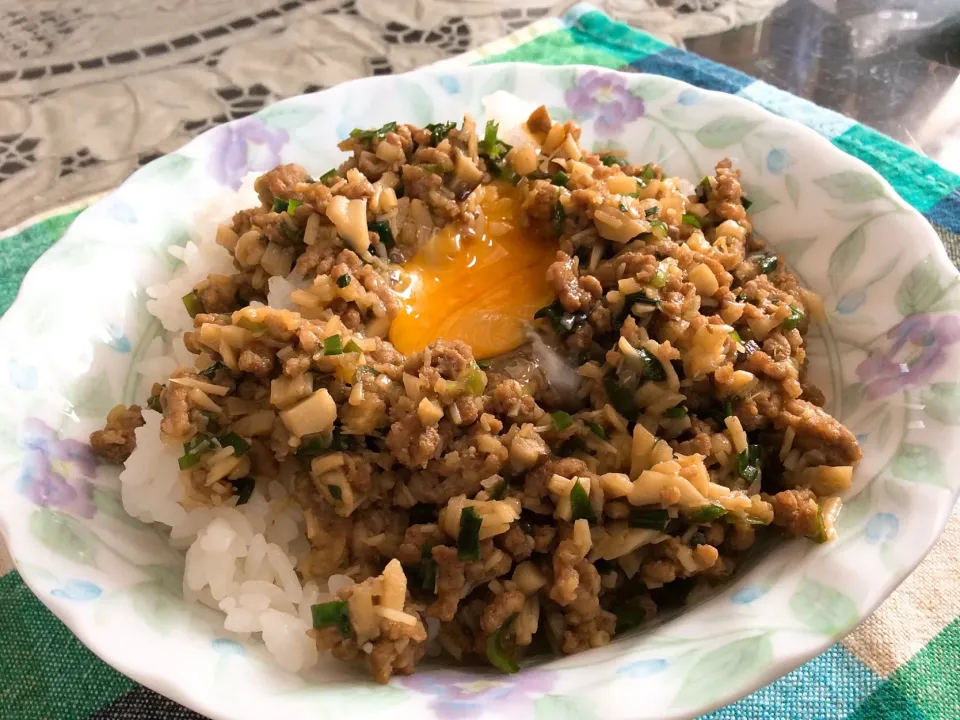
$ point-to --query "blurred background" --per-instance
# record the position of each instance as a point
(92, 89)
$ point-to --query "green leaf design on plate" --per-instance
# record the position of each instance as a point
(919, 463)
(922, 288)
(169, 169)
(420, 104)
(793, 188)
(760, 198)
(851, 398)
(845, 257)
(109, 504)
(854, 511)
(156, 605)
(794, 249)
(851, 186)
(941, 401)
(561, 707)
(723, 668)
(289, 117)
(64, 535)
(724, 131)
(652, 89)
(823, 609)
(92, 396)
(560, 114)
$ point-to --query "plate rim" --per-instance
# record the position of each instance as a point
(799, 653)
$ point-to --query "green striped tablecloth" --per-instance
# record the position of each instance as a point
(903, 663)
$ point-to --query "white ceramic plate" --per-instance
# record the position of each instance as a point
(887, 358)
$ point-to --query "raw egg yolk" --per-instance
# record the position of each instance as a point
(482, 288)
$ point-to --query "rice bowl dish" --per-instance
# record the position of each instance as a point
(478, 394)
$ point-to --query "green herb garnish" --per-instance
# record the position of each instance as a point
(706, 513)
(343, 280)
(251, 325)
(336, 492)
(329, 175)
(560, 179)
(483, 364)
(648, 173)
(210, 370)
(191, 301)
(611, 160)
(280, 205)
(293, 205)
(352, 347)
(333, 613)
(490, 145)
(498, 491)
(640, 297)
(239, 445)
(561, 420)
(580, 507)
(748, 463)
(438, 131)
(192, 451)
(243, 489)
(652, 367)
(468, 539)
(766, 262)
(794, 318)
(383, 231)
(360, 134)
(675, 412)
(558, 217)
(333, 345)
(690, 219)
(621, 398)
(597, 429)
(429, 573)
(497, 656)
(651, 211)
(650, 519)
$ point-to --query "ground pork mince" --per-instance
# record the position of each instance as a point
(548, 497)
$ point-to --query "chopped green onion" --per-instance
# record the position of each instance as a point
(796, 315)
(335, 492)
(651, 519)
(279, 204)
(741, 296)
(433, 168)
(659, 277)
(333, 345)
(438, 131)
(352, 346)
(311, 448)
(560, 179)
(497, 656)
(621, 398)
(580, 507)
(239, 445)
(675, 412)
(188, 461)
(690, 219)
(510, 175)
(735, 336)
(703, 189)
(366, 370)
(561, 420)
(429, 578)
(490, 145)
(766, 262)
(659, 229)
(153, 402)
(707, 513)
(251, 325)
(748, 463)
(652, 367)
(651, 211)
(746, 202)
(191, 301)
(210, 370)
(820, 528)
(213, 420)
(343, 280)
(468, 540)
(192, 451)
(597, 429)
(623, 207)
(328, 614)
(243, 488)
(483, 364)
(727, 409)
(698, 538)
(499, 490)
(382, 229)
(361, 134)
(611, 160)
(293, 205)
(648, 172)
(329, 175)
(475, 382)
(640, 297)
(558, 217)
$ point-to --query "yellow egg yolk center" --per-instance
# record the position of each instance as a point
(482, 288)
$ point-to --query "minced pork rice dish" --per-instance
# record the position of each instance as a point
(362, 458)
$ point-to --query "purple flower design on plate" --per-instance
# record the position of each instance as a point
(55, 471)
(918, 348)
(606, 96)
(465, 695)
(246, 145)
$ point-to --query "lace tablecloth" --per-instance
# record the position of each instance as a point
(91, 90)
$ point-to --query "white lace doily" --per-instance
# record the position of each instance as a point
(90, 89)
